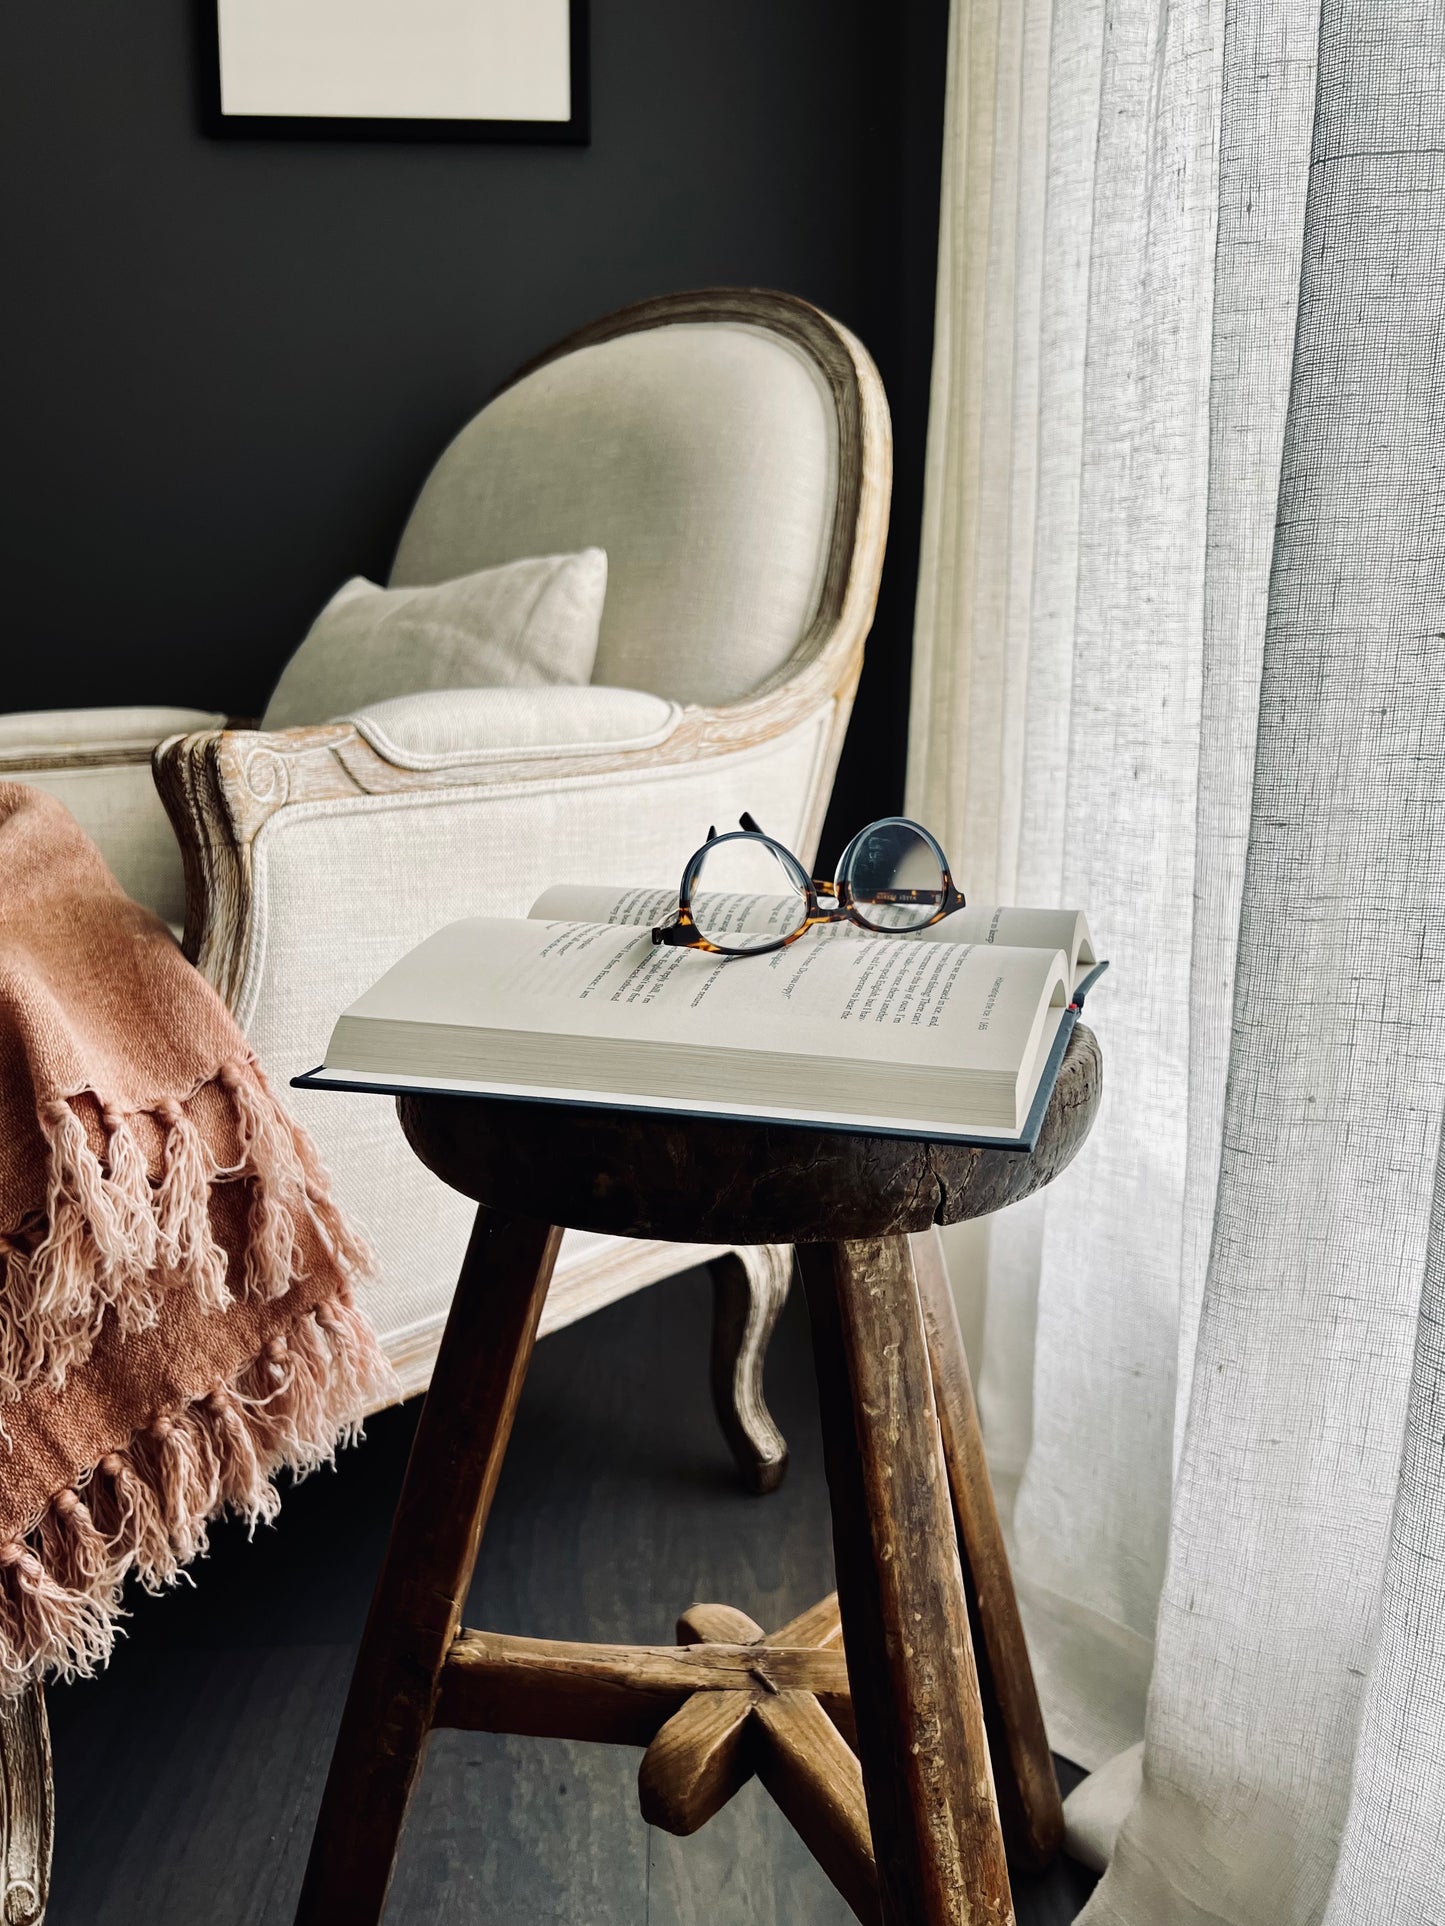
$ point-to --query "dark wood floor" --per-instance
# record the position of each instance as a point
(188, 1777)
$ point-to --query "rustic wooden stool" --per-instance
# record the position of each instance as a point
(880, 1760)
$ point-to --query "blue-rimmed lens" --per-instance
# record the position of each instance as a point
(895, 872)
(745, 895)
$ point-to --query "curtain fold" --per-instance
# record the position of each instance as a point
(1179, 658)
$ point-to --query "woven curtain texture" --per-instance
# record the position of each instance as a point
(1063, 766)
(1211, 1357)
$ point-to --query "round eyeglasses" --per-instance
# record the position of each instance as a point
(743, 894)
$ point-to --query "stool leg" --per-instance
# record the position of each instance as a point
(1028, 1787)
(915, 1692)
(451, 1476)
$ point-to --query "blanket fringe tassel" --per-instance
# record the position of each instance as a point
(145, 1510)
(115, 1236)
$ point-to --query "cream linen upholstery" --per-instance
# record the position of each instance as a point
(97, 762)
(730, 452)
(457, 727)
(703, 457)
(391, 869)
(534, 621)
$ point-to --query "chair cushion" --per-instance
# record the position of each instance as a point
(523, 623)
(703, 456)
(457, 726)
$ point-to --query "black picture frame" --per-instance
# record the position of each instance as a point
(218, 125)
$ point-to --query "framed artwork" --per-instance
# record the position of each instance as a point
(396, 69)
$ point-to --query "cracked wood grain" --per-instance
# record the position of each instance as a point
(617, 1694)
(451, 1479)
(1028, 1788)
(710, 1180)
(924, 1753)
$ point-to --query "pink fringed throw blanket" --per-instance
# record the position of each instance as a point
(176, 1312)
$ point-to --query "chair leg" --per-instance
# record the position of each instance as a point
(1028, 1786)
(750, 1288)
(921, 1739)
(27, 1813)
(461, 1440)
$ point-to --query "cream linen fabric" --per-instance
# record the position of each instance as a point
(1191, 675)
(115, 802)
(132, 730)
(703, 457)
(458, 727)
(393, 869)
(523, 623)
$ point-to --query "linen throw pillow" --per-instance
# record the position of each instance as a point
(522, 624)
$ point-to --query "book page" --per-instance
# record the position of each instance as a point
(649, 908)
(1008, 928)
(928, 1038)
(966, 1007)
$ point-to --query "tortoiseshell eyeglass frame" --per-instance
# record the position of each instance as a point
(683, 933)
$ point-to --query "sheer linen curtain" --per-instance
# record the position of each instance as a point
(1180, 659)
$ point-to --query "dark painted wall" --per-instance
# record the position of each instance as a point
(229, 364)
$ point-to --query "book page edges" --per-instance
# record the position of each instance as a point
(688, 1076)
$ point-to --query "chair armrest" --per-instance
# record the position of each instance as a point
(314, 861)
(38, 740)
(97, 762)
(221, 788)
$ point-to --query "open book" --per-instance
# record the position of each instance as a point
(955, 1031)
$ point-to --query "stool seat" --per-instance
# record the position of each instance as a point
(717, 1180)
(908, 1766)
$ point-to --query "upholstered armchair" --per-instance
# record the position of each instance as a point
(730, 451)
